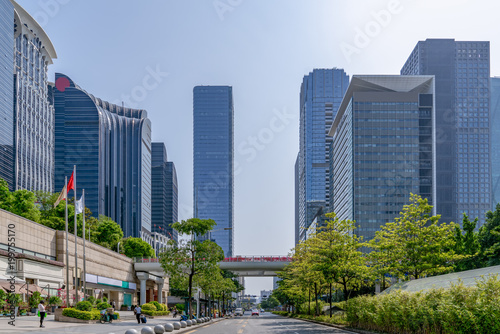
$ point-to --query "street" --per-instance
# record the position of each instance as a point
(266, 323)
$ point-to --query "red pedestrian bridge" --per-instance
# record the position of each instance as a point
(244, 266)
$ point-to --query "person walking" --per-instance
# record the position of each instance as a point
(137, 311)
(41, 311)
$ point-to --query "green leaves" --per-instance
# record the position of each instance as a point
(194, 226)
(414, 244)
(136, 247)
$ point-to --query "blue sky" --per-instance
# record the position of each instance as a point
(263, 49)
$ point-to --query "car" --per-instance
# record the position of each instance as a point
(238, 312)
(255, 312)
(262, 310)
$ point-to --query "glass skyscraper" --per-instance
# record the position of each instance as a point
(164, 208)
(320, 96)
(111, 148)
(495, 139)
(213, 159)
(463, 166)
(7, 92)
(383, 149)
(26, 107)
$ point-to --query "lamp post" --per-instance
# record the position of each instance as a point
(220, 229)
(118, 248)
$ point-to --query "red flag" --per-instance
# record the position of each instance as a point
(71, 185)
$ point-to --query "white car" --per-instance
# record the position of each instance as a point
(238, 311)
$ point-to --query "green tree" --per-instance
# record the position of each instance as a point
(336, 254)
(108, 232)
(415, 244)
(23, 204)
(192, 258)
(489, 238)
(136, 247)
(467, 244)
(5, 195)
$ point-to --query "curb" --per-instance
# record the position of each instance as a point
(345, 328)
(204, 324)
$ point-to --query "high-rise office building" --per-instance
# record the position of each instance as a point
(463, 166)
(495, 140)
(297, 226)
(27, 112)
(213, 155)
(7, 92)
(383, 148)
(320, 96)
(164, 195)
(111, 148)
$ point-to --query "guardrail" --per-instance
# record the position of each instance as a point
(234, 259)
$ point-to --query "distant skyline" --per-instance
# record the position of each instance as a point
(151, 54)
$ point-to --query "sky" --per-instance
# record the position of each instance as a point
(150, 55)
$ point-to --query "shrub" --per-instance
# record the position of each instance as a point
(74, 313)
(165, 307)
(55, 300)
(84, 306)
(92, 300)
(157, 305)
(458, 309)
(148, 307)
(180, 307)
(103, 305)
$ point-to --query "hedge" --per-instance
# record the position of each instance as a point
(93, 314)
(155, 313)
(457, 310)
(84, 306)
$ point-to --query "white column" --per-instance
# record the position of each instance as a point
(143, 277)
(160, 293)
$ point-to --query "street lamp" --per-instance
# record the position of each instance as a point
(220, 229)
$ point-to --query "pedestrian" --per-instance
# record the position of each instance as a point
(137, 312)
(41, 312)
(113, 304)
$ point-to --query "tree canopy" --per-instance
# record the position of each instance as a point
(136, 247)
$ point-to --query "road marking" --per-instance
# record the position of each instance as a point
(240, 331)
(191, 331)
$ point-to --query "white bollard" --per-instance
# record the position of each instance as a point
(183, 324)
(159, 329)
(177, 325)
(131, 331)
(147, 330)
(169, 327)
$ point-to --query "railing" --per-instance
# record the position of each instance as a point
(258, 259)
(234, 259)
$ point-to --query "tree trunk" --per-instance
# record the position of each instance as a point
(309, 310)
(189, 295)
(316, 297)
(330, 300)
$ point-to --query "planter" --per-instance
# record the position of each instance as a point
(33, 310)
(53, 308)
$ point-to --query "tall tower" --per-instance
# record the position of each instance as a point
(382, 148)
(463, 165)
(7, 163)
(320, 96)
(164, 192)
(495, 140)
(111, 147)
(27, 125)
(213, 156)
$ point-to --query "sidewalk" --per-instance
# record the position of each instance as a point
(29, 324)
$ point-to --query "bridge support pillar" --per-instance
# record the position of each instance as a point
(143, 277)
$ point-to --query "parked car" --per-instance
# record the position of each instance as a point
(255, 312)
(238, 312)
(262, 310)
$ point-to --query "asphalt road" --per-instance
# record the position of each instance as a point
(266, 323)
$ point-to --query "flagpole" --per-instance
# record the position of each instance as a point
(67, 249)
(84, 271)
(76, 235)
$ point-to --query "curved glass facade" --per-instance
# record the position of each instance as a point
(6, 92)
(111, 147)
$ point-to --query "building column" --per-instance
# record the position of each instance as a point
(143, 277)
(160, 293)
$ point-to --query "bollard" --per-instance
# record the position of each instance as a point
(147, 330)
(131, 331)
(159, 329)
(183, 324)
(169, 327)
(177, 325)
(198, 321)
(188, 323)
